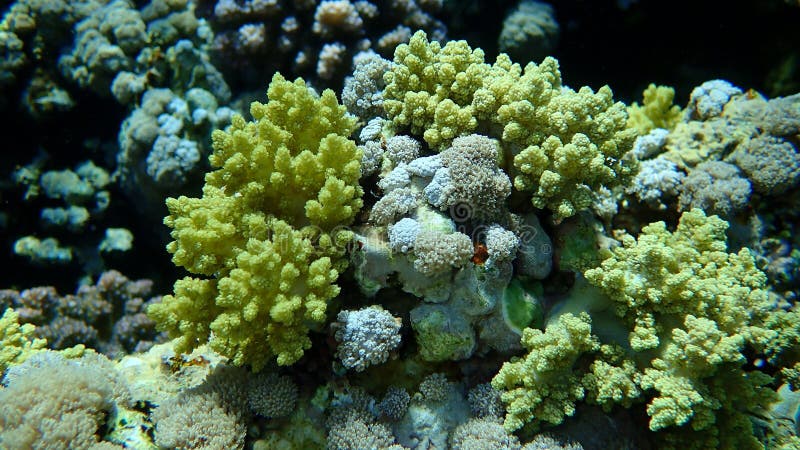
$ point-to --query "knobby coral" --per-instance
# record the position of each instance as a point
(263, 238)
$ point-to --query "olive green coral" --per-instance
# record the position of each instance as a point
(265, 237)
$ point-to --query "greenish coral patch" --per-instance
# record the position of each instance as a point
(521, 307)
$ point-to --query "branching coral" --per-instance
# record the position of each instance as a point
(566, 143)
(263, 237)
(690, 311)
(656, 111)
(542, 384)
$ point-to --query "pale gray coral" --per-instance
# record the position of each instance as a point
(373, 130)
(97, 55)
(50, 401)
(42, 252)
(402, 149)
(331, 60)
(392, 38)
(372, 157)
(356, 434)
(231, 10)
(83, 186)
(296, 33)
(210, 415)
(429, 424)
(350, 402)
(501, 244)
(708, 99)
(164, 143)
(363, 91)
(366, 337)
(73, 218)
(334, 17)
(398, 178)
(435, 387)
(393, 205)
(116, 240)
(779, 116)
(402, 234)
(171, 160)
(716, 187)
(13, 60)
(471, 184)
(657, 182)
(484, 401)
(483, 434)
(251, 37)
(530, 32)
(426, 166)
(198, 419)
(371, 144)
(782, 116)
(395, 403)
(604, 203)
(115, 38)
(438, 252)
(545, 442)
(271, 395)
(650, 144)
(772, 164)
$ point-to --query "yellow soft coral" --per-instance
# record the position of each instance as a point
(657, 110)
(665, 274)
(267, 230)
(543, 384)
(430, 88)
(565, 144)
(16, 341)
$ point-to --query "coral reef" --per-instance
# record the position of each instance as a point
(462, 253)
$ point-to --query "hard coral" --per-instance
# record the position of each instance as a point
(264, 236)
(566, 143)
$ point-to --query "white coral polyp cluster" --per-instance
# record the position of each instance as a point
(332, 16)
(366, 337)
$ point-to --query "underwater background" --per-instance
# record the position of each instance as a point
(419, 224)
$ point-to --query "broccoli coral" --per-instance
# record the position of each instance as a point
(542, 384)
(566, 143)
(683, 294)
(691, 312)
(686, 272)
(429, 88)
(264, 236)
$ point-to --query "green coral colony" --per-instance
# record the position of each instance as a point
(490, 185)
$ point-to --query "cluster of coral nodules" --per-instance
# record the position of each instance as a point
(264, 239)
(566, 144)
